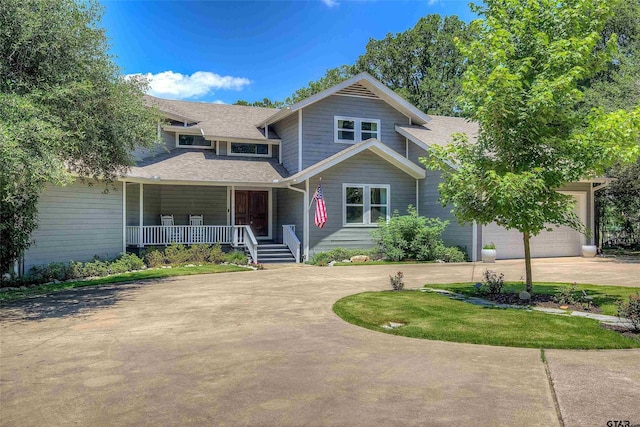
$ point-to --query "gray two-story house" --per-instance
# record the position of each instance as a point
(246, 176)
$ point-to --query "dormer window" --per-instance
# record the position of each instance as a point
(192, 141)
(247, 149)
(349, 130)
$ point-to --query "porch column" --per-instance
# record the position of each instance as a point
(141, 217)
(305, 238)
(124, 216)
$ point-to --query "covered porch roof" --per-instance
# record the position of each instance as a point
(193, 166)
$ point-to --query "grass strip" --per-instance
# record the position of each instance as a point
(153, 273)
(436, 317)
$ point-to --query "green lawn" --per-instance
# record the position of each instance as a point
(435, 317)
(603, 296)
(155, 273)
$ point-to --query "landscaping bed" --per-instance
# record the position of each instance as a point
(542, 300)
(431, 316)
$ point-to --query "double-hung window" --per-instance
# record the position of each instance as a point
(349, 130)
(365, 204)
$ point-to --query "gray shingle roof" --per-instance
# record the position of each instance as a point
(218, 120)
(204, 165)
(439, 129)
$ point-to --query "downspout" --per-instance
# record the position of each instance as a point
(474, 241)
(305, 223)
(141, 217)
(593, 208)
(417, 197)
(124, 216)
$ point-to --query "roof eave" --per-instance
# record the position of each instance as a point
(388, 96)
(374, 146)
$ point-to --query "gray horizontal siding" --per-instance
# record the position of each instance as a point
(287, 129)
(364, 168)
(429, 206)
(223, 148)
(168, 143)
(179, 201)
(318, 125)
(76, 222)
(288, 210)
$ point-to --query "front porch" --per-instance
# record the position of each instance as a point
(240, 217)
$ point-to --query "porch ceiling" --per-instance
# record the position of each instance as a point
(205, 166)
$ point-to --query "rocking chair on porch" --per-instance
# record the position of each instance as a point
(196, 231)
(173, 234)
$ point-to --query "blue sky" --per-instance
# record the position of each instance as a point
(220, 51)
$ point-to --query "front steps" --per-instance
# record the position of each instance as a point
(269, 253)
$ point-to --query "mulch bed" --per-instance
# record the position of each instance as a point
(622, 331)
(541, 300)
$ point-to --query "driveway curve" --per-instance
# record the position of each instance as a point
(264, 348)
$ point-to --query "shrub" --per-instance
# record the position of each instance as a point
(154, 257)
(126, 262)
(215, 254)
(176, 254)
(397, 281)
(198, 253)
(95, 268)
(413, 237)
(236, 257)
(52, 271)
(566, 295)
(450, 254)
(489, 246)
(339, 254)
(492, 283)
(631, 310)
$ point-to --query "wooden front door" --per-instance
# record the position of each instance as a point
(252, 208)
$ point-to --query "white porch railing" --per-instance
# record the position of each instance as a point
(290, 239)
(188, 234)
(249, 241)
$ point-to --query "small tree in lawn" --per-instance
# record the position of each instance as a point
(526, 61)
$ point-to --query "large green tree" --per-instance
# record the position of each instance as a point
(65, 110)
(525, 63)
(421, 64)
(617, 86)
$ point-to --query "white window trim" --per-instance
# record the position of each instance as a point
(357, 124)
(366, 210)
(230, 143)
(211, 147)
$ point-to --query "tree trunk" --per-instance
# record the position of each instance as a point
(527, 261)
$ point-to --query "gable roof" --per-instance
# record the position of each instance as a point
(215, 121)
(362, 84)
(438, 131)
(372, 145)
(194, 165)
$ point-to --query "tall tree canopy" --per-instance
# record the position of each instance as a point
(421, 64)
(526, 61)
(65, 110)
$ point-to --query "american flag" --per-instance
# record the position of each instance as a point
(321, 208)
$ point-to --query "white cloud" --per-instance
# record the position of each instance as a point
(432, 2)
(219, 101)
(172, 85)
(330, 3)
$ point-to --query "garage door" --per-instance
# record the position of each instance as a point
(562, 241)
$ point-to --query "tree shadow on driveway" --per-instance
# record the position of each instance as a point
(73, 302)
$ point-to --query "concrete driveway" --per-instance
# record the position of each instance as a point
(264, 348)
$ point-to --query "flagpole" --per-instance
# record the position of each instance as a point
(314, 194)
